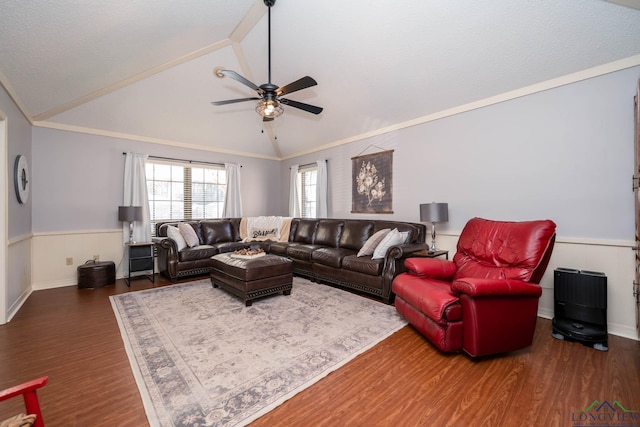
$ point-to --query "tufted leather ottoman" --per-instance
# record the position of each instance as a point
(252, 278)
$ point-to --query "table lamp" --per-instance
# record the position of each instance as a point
(434, 212)
(131, 214)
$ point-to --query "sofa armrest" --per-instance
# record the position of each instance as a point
(476, 287)
(167, 256)
(404, 250)
(166, 243)
(432, 268)
(394, 265)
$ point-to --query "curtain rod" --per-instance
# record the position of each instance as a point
(308, 164)
(182, 160)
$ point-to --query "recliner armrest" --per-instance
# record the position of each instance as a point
(477, 287)
(431, 268)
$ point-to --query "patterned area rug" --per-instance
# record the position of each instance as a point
(200, 357)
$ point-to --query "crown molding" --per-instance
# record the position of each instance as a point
(4, 82)
(589, 73)
(600, 70)
(121, 135)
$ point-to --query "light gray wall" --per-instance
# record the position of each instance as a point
(19, 142)
(19, 216)
(564, 154)
(78, 179)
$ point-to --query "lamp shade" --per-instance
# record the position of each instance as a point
(130, 213)
(434, 212)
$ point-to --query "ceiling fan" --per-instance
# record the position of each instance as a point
(269, 97)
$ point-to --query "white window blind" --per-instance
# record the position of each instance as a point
(184, 191)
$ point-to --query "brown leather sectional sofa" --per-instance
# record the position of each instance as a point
(323, 250)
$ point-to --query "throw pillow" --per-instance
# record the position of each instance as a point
(372, 242)
(405, 236)
(189, 234)
(174, 233)
(393, 238)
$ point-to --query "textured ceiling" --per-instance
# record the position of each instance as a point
(143, 69)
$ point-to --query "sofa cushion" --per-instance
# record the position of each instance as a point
(328, 232)
(189, 234)
(174, 233)
(229, 246)
(280, 248)
(331, 256)
(355, 234)
(216, 232)
(305, 231)
(393, 238)
(197, 253)
(364, 265)
(302, 252)
(372, 242)
(20, 420)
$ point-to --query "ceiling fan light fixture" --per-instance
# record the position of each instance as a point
(269, 108)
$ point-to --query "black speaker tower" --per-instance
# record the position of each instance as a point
(580, 307)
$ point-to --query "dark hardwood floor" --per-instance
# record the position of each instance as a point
(72, 336)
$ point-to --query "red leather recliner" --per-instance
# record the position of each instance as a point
(484, 301)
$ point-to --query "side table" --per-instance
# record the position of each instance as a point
(426, 254)
(141, 258)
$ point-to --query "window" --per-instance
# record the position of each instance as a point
(178, 191)
(307, 177)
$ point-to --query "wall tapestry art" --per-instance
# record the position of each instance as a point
(372, 183)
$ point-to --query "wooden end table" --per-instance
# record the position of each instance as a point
(426, 254)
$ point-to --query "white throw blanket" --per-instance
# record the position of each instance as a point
(259, 228)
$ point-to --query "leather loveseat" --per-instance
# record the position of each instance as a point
(323, 250)
(485, 300)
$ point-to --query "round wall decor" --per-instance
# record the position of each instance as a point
(21, 178)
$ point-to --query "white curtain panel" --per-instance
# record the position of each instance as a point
(321, 189)
(294, 193)
(232, 200)
(135, 194)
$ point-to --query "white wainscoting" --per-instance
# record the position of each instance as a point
(51, 250)
(18, 273)
(616, 259)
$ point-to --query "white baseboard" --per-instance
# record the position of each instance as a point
(18, 304)
(61, 283)
(53, 284)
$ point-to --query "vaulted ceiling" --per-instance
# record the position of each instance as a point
(143, 69)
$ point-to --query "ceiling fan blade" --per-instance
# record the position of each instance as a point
(306, 107)
(233, 101)
(299, 84)
(239, 78)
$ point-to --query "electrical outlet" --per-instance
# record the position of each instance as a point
(96, 258)
(69, 261)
